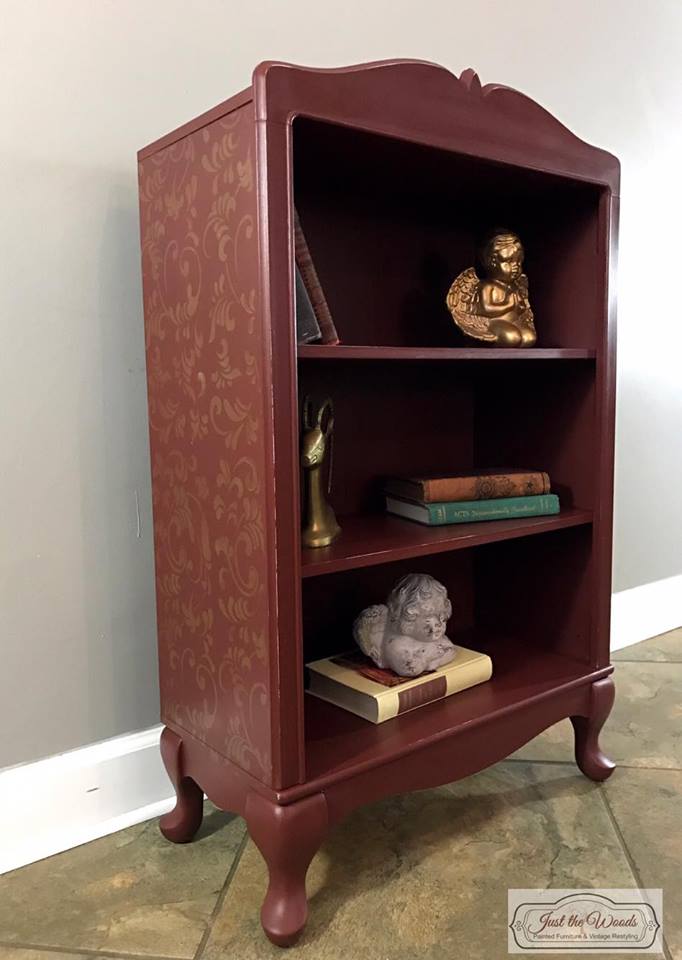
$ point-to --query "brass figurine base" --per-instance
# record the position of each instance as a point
(320, 538)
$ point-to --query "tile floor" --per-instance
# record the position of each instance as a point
(424, 875)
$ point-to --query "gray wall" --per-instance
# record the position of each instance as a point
(83, 85)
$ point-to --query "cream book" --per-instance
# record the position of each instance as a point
(354, 682)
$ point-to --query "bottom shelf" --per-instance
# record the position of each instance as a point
(338, 742)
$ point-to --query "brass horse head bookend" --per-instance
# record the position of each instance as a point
(496, 308)
(320, 527)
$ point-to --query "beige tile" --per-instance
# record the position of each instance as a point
(667, 647)
(647, 805)
(427, 874)
(19, 953)
(132, 891)
(645, 725)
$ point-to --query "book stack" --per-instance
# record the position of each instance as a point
(493, 494)
(352, 681)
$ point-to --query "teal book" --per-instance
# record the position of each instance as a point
(469, 511)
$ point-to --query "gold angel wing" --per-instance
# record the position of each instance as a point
(526, 317)
(461, 300)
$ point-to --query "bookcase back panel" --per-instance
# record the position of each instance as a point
(533, 593)
(207, 388)
(416, 419)
(407, 419)
(391, 223)
(542, 418)
(331, 603)
(538, 590)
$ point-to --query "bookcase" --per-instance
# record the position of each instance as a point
(395, 168)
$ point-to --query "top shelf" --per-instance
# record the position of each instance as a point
(315, 351)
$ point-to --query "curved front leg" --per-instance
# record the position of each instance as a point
(288, 837)
(588, 754)
(183, 821)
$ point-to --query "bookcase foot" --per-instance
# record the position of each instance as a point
(588, 754)
(182, 822)
(288, 837)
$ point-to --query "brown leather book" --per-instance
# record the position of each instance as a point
(311, 281)
(478, 485)
(356, 684)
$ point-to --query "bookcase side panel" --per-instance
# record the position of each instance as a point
(278, 312)
(207, 391)
(605, 414)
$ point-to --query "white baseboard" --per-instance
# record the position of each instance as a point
(55, 804)
(58, 803)
(646, 611)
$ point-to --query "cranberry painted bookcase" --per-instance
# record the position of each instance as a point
(395, 169)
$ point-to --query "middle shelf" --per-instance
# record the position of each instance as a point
(374, 539)
(321, 351)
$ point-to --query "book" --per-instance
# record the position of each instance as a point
(470, 511)
(352, 681)
(311, 282)
(307, 327)
(490, 484)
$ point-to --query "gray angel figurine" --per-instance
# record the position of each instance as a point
(407, 633)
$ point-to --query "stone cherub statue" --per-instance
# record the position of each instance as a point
(407, 633)
(496, 308)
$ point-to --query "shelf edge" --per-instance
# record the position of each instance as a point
(324, 567)
(365, 352)
(324, 781)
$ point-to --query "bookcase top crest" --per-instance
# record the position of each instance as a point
(422, 102)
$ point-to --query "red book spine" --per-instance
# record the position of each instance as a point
(312, 284)
(426, 692)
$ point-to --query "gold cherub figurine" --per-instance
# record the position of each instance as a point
(495, 309)
(320, 527)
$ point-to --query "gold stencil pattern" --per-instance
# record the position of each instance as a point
(204, 368)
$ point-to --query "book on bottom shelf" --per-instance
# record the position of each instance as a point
(470, 511)
(352, 681)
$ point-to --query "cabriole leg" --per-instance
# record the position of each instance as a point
(183, 821)
(588, 754)
(288, 837)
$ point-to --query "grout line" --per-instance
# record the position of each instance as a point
(621, 838)
(85, 952)
(628, 856)
(221, 896)
(559, 763)
(615, 662)
(571, 763)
